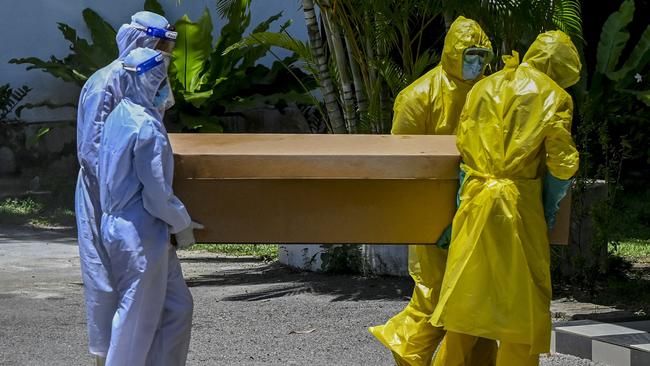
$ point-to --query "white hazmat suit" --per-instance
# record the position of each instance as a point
(153, 319)
(99, 96)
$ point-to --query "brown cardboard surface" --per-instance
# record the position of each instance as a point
(319, 211)
(257, 156)
(560, 235)
(317, 189)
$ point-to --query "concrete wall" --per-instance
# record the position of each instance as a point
(378, 259)
(30, 28)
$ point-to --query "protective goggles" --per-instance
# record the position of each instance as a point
(472, 53)
(166, 37)
(146, 65)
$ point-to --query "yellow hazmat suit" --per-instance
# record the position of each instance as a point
(432, 106)
(515, 125)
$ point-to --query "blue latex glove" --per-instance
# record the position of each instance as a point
(554, 190)
(445, 239)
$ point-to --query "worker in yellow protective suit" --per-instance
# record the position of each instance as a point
(432, 106)
(518, 155)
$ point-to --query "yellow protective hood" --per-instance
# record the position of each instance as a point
(463, 34)
(554, 54)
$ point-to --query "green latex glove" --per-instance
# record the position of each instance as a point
(554, 190)
(445, 238)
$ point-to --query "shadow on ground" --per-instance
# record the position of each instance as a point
(626, 291)
(282, 281)
(28, 233)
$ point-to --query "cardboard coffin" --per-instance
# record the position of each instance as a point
(320, 189)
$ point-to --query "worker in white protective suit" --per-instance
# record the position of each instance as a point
(99, 96)
(154, 315)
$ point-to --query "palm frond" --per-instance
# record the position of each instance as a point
(228, 8)
(281, 40)
(567, 17)
(422, 64)
(393, 75)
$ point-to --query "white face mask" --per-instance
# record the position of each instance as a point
(164, 98)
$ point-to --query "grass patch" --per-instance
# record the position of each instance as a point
(37, 211)
(20, 207)
(635, 250)
(267, 252)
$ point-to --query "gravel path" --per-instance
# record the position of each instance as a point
(246, 312)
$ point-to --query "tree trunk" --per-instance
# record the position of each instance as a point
(329, 92)
(349, 108)
(362, 103)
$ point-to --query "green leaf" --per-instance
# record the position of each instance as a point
(270, 39)
(55, 67)
(10, 98)
(31, 141)
(154, 7)
(422, 64)
(69, 33)
(193, 48)
(86, 58)
(256, 100)
(639, 57)
(567, 17)
(197, 98)
(202, 123)
(228, 8)
(265, 25)
(642, 95)
(101, 32)
(614, 37)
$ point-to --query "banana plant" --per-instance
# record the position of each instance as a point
(613, 102)
(212, 78)
(613, 41)
(85, 57)
(190, 58)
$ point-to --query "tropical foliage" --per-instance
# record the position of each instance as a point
(612, 132)
(613, 103)
(364, 52)
(206, 83)
(85, 57)
(10, 99)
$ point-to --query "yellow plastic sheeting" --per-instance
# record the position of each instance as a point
(409, 334)
(432, 104)
(455, 348)
(515, 124)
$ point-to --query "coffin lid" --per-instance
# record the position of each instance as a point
(283, 156)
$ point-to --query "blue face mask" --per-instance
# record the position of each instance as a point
(164, 98)
(472, 66)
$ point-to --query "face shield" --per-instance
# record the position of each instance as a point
(474, 61)
(166, 37)
(145, 66)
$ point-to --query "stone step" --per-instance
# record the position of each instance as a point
(614, 344)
